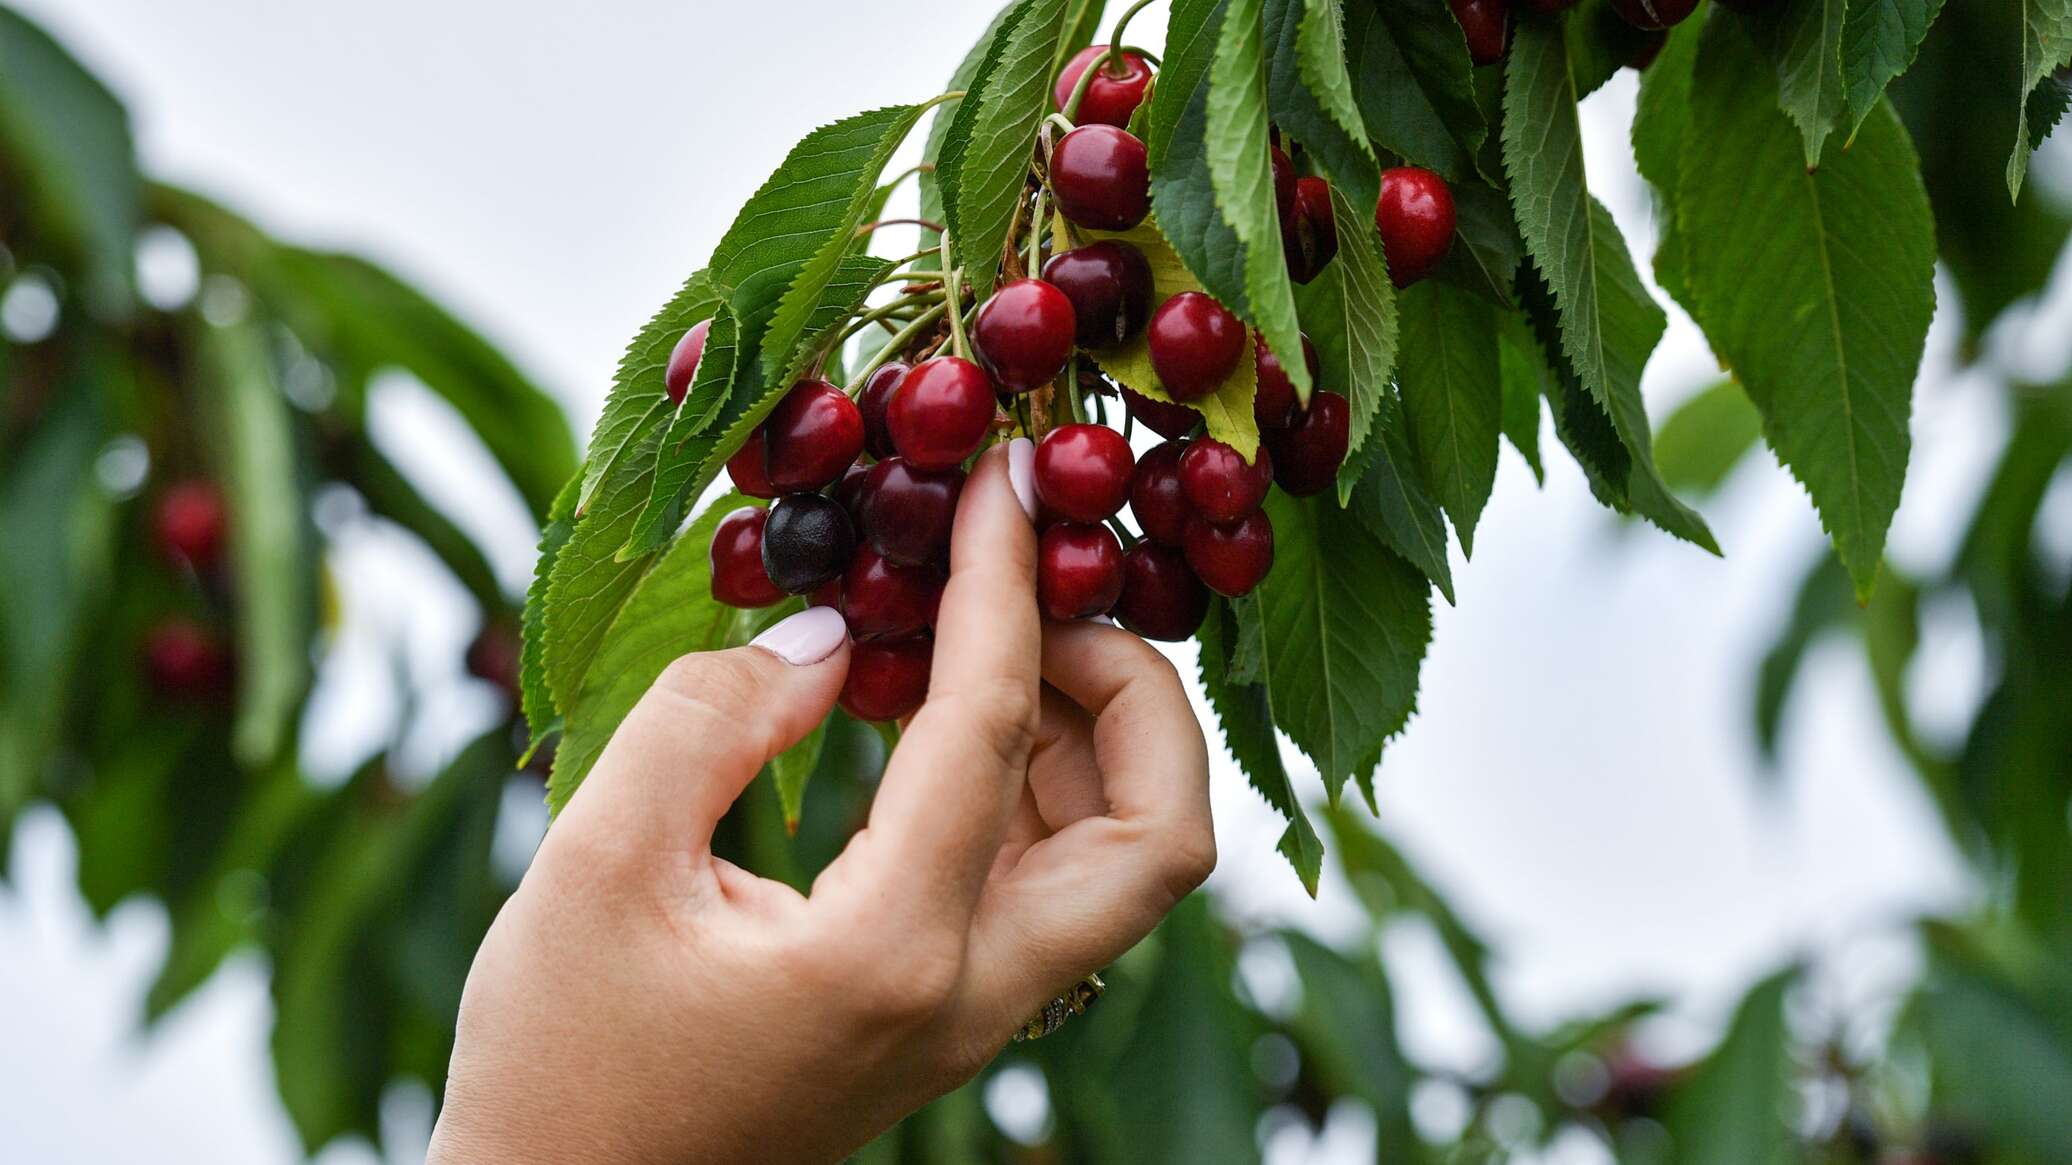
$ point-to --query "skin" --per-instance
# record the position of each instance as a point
(641, 1000)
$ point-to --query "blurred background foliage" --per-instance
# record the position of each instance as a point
(168, 453)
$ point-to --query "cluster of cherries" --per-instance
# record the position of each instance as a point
(1488, 22)
(185, 658)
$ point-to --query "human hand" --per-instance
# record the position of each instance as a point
(641, 1000)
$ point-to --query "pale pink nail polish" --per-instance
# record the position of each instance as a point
(1021, 473)
(805, 638)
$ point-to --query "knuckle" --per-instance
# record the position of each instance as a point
(1009, 712)
(717, 684)
(1189, 860)
(906, 983)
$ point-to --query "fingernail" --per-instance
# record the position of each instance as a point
(807, 637)
(1021, 473)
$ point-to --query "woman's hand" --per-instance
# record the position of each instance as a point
(639, 999)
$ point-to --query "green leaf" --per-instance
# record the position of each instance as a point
(1822, 603)
(1320, 60)
(1879, 41)
(535, 697)
(1391, 500)
(1486, 248)
(1662, 116)
(1188, 211)
(1600, 42)
(929, 181)
(588, 580)
(1803, 41)
(1414, 84)
(792, 769)
(1349, 312)
(1244, 712)
(1526, 380)
(1348, 1023)
(680, 453)
(1310, 95)
(636, 402)
(1847, 255)
(1706, 437)
(2046, 40)
(2000, 1049)
(984, 166)
(1452, 387)
(1190, 44)
(1737, 1109)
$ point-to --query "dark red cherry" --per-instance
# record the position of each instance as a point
(871, 401)
(827, 594)
(185, 660)
(1220, 484)
(1164, 418)
(941, 412)
(1488, 25)
(1283, 183)
(1310, 239)
(1306, 457)
(908, 511)
(814, 434)
(1078, 570)
(1161, 597)
(738, 577)
(1114, 93)
(1653, 15)
(1645, 52)
(683, 361)
(807, 540)
(1276, 404)
(1024, 334)
(884, 600)
(1156, 497)
(190, 522)
(888, 679)
(495, 653)
(1083, 472)
(1231, 559)
(1109, 284)
(1195, 345)
(850, 491)
(1415, 218)
(749, 468)
(1102, 178)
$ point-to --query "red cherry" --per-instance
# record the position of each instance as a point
(1306, 457)
(1161, 597)
(493, 655)
(1283, 182)
(683, 361)
(1653, 15)
(877, 392)
(738, 578)
(1078, 570)
(884, 600)
(851, 490)
(190, 522)
(941, 412)
(1647, 50)
(1310, 239)
(1114, 93)
(1231, 559)
(827, 594)
(1195, 345)
(1276, 405)
(908, 511)
(807, 540)
(1102, 178)
(1166, 419)
(749, 468)
(888, 679)
(1083, 471)
(1024, 334)
(1488, 25)
(186, 660)
(1109, 284)
(814, 434)
(1415, 218)
(1156, 497)
(1220, 484)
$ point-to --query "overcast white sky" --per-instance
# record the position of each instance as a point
(1581, 775)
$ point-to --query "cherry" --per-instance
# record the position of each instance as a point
(1195, 345)
(493, 655)
(1161, 597)
(1231, 559)
(683, 361)
(1102, 178)
(1161, 417)
(908, 511)
(940, 412)
(871, 402)
(851, 490)
(1653, 15)
(1083, 471)
(1283, 182)
(888, 679)
(827, 594)
(806, 541)
(1645, 52)
(1078, 570)
(749, 468)
(1310, 238)
(1306, 457)
(186, 660)
(884, 600)
(1488, 25)
(1220, 485)
(1156, 497)
(190, 521)
(738, 577)
(1276, 406)
(1415, 217)
(1024, 334)
(1114, 93)
(1109, 284)
(815, 433)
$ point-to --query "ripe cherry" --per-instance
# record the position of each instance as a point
(1114, 93)
(1231, 559)
(1653, 15)
(749, 468)
(683, 361)
(1078, 570)
(941, 412)
(814, 434)
(1195, 345)
(1306, 457)
(908, 511)
(1310, 238)
(884, 600)
(1415, 217)
(871, 401)
(1161, 596)
(186, 660)
(807, 540)
(1283, 183)
(1024, 334)
(1646, 50)
(1083, 472)
(1102, 178)
(1220, 484)
(1156, 497)
(738, 577)
(888, 679)
(1109, 284)
(1276, 406)
(851, 490)
(1488, 25)
(1164, 418)
(189, 522)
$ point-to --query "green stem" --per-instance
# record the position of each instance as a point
(1036, 233)
(954, 288)
(1115, 42)
(903, 304)
(1068, 391)
(895, 345)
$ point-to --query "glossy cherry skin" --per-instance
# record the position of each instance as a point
(1161, 596)
(1156, 497)
(1109, 284)
(888, 679)
(851, 490)
(1220, 484)
(749, 468)
(1415, 218)
(1114, 93)
(1306, 457)
(1195, 345)
(1283, 183)
(1310, 238)
(1653, 15)
(1078, 570)
(1024, 334)
(1083, 472)
(1164, 418)
(1276, 406)
(186, 660)
(807, 540)
(908, 511)
(941, 412)
(1102, 178)
(190, 523)
(1231, 559)
(683, 361)
(883, 600)
(871, 402)
(1645, 52)
(1488, 25)
(738, 577)
(814, 434)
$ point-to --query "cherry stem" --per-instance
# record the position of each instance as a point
(1036, 233)
(894, 346)
(1068, 388)
(868, 227)
(953, 286)
(891, 308)
(1115, 37)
